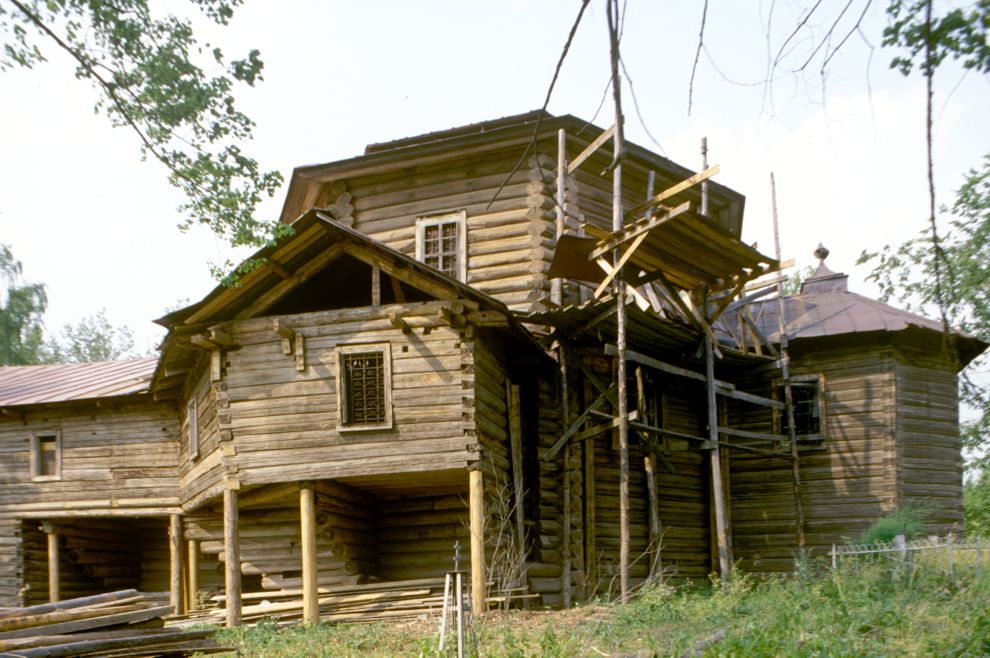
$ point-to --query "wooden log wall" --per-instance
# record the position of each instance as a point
(546, 568)
(95, 556)
(509, 243)
(11, 565)
(203, 472)
(846, 484)
(271, 544)
(416, 534)
(120, 456)
(929, 456)
(283, 421)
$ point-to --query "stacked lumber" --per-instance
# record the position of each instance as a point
(390, 601)
(119, 624)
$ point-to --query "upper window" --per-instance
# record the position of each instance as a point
(441, 243)
(46, 455)
(364, 387)
(808, 409)
(192, 420)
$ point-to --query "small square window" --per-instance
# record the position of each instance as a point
(364, 387)
(808, 409)
(46, 456)
(441, 243)
(192, 422)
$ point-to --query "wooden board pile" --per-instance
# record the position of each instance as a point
(118, 624)
(392, 601)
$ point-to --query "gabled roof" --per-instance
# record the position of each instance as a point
(22, 385)
(317, 242)
(825, 308)
(513, 132)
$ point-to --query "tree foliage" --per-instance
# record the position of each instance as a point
(145, 68)
(939, 269)
(22, 306)
(92, 339)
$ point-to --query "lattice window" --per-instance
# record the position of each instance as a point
(364, 387)
(441, 243)
(46, 455)
(808, 408)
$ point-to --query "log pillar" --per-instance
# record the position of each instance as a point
(192, 570)
(232, 557)
(307, 521)
(715, 461)
(175, 563)
(53, 575)
(476, 501)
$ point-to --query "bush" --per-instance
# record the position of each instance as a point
(909, 521)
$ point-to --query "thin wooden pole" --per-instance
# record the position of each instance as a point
(515, 446)
(175, 563)
(192, 561)
(566, 422)
(307, 527)
(476, 498)
(232, 558)
(649, 467)
(716, 463)
(785, 375)
(620, 296)
(556, 285)
(54, 595)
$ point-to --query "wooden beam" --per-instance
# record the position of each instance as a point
(398, 322)
(204, 342)
(715, 460)
(216, 365)
(54, 593)
(278, 269)
(192, 571)
(616, 239)
(476, 513)
(310, 573)
(673, 190)
(221, 337)
(641, 301)
(573, 428)
(267, 299)
(288, 335)
(450, 317)
(232, 557)
(12, 413)
(590, 149)
(515, 447)
(376, 286)
(300, 349)
(618, 267)
(175, 564)
(746, 434)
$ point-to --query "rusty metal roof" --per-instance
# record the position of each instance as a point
(21, 385)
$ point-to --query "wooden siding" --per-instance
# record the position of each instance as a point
(509, 242)
(929, 456)
(202, 473)
(282, 423)
(846, 484)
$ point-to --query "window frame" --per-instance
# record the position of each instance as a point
(36, 461)
(459, 219)
(805, 440)
(192, 428)
(340, 352)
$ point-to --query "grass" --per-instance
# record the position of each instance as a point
(864, 609)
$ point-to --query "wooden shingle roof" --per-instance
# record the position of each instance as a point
(23, 385)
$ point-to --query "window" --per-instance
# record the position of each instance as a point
(46, 455)
(441, 243)
(364, 387)
(806, 396)
(192, 420)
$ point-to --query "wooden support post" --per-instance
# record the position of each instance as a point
(590, 547)
(307, 522)
(192, 572)
(300, 350)
(649, 466)
(556, 285)
(515, 446)
(232, 556)
(175, 563)
(715, 459)
(566, 539)
(620, 294)
(376, 286)
(476, 512)
(54, 595)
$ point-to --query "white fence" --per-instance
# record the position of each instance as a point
(948, 553)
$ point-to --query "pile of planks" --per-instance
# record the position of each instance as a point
(392, 601)
(118, 624)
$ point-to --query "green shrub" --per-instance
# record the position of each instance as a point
(909, 521)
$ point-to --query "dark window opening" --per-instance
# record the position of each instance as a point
(364, 388)
(48, 455)
(806, 402)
